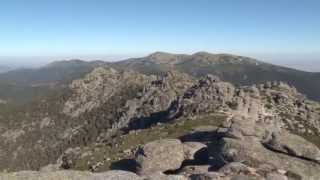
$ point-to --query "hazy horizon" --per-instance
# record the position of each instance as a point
(282, 32)
(306, 61)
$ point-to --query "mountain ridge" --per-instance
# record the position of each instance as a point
(236, 69)
(232, 68)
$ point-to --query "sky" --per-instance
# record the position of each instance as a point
(120, 28)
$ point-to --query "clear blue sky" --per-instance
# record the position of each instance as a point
(71, 27)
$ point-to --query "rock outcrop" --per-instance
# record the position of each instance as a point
(160, 156)
(166, 155)
(293, 145)
(98, 87)
(70, 175)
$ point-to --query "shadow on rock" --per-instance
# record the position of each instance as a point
(216, 153)
(200, 158)
(198, 136)
(125, 165)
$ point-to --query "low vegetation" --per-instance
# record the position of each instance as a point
(105, 156)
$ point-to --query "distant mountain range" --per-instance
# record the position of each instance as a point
(239, 70)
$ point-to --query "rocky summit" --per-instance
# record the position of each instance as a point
(116, 123)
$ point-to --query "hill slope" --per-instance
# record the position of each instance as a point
(22, 85)
(54, 72)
